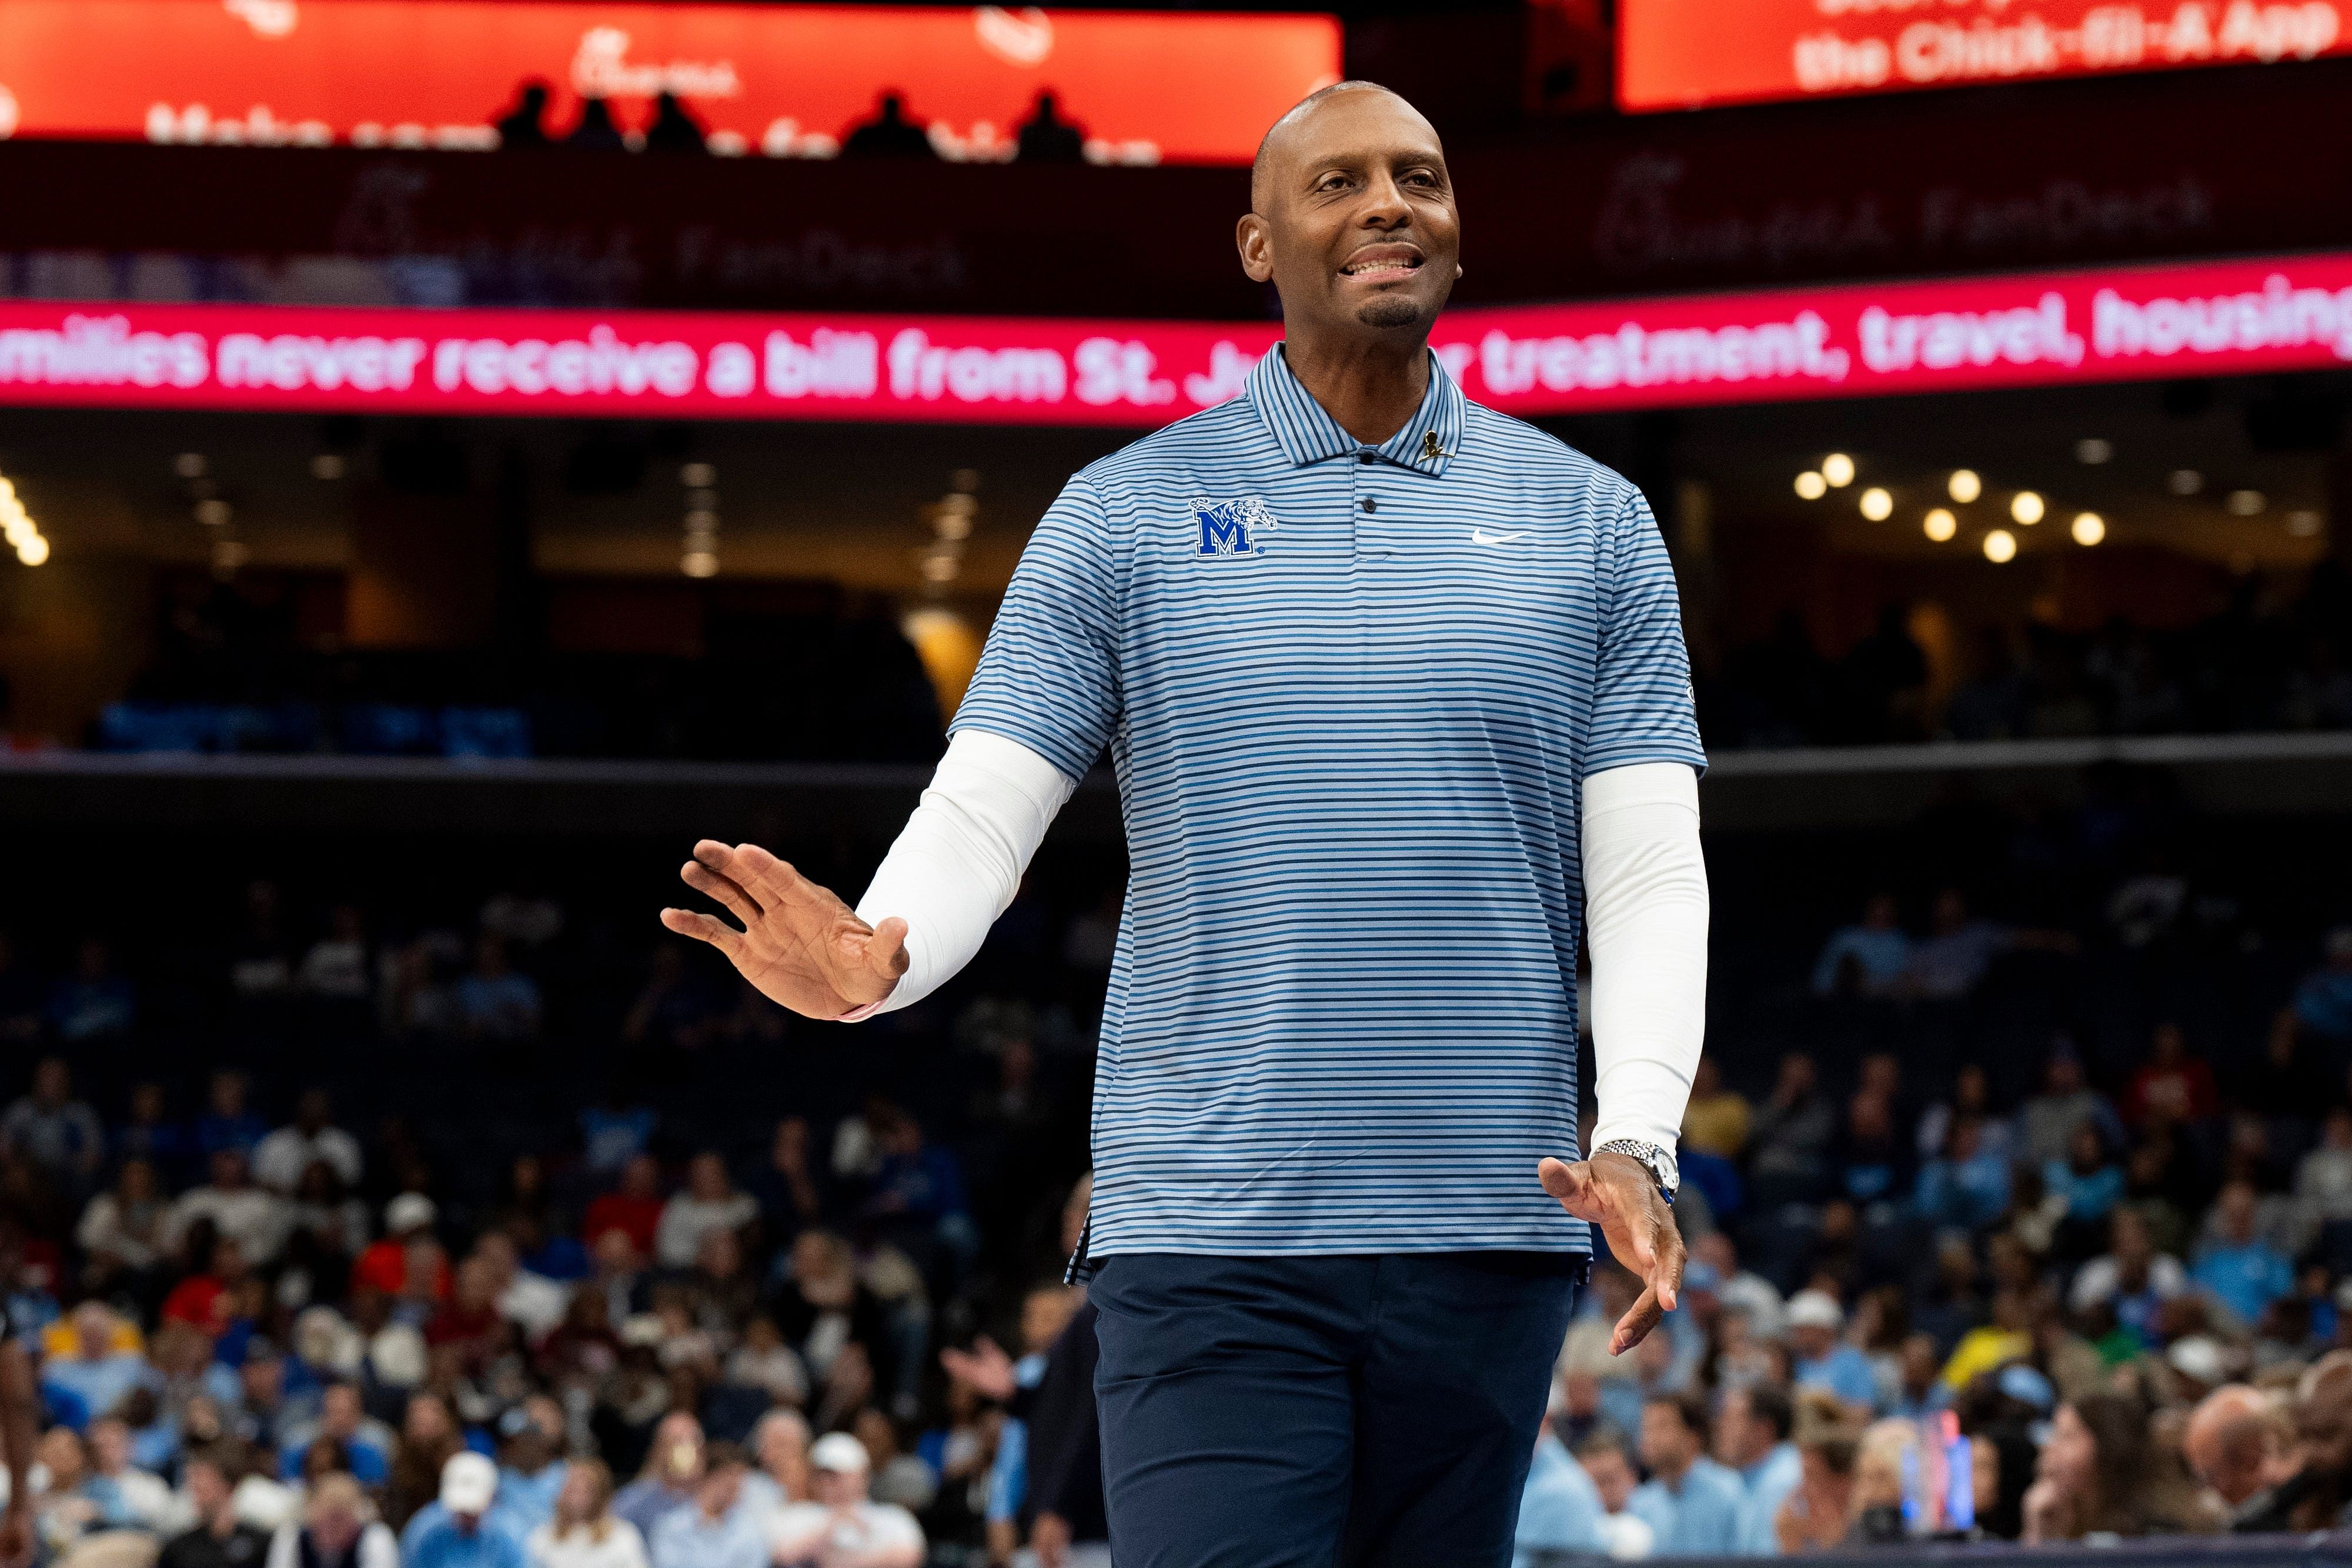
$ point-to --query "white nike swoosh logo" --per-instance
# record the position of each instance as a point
(1481, 537)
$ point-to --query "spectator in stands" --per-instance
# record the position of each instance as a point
(595, 131)
(338, 1529)
(584, 1532)
(1046, 137)
(261, 964)
(889, 134)
(2237, 1443)
(707, 1203)
(495, 1002)
(672, 1478)
(1717, 1120)
(217, 1539)
(1970, 1095)
(1868, 959)
(843, 1525)
(2086, 1186)
(1794, 1130)
(1752, 1439)
(429, 1439)
(2239, 1269)
(1816, 1516)
(2132, 1279)
(229, 1123)
(458, 1530)
(677, 1010)
(1965, 1187)
(52, 1129)
(93, 1003)
(674, 130)
(1691, 1503)
(263, 1416)
(918, 1199)
(144, 1498)
(785, 1187)
(2094, 1473)
(383, 1267)
(2322, 1001)
(1605, 1457)
(1823, 1359)
(1874, 1156)
(1559, 1508)
(102, 1369)
(148, 1133)
(1959, 948)
(123, 1233)
(712, 1531)
(2046, 1125)
(336, 968)
(253, 1218)
(281, 1159)
(525, 125)
(2322, 1186)
(366, 1443)
(2171, 1087)
(635, 1208)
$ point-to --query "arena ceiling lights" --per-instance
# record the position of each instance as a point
(1984, 334)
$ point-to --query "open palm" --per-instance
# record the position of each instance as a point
(800, 944)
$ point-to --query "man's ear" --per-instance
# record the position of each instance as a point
(1256, 243)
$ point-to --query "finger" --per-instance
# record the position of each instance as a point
(1635, 1325)
(725, 889)
(704, 928)
(886, 952)
(1668, 1275)
(1566, 1182)
(770, 881)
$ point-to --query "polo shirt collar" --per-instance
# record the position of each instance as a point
(1306, 434)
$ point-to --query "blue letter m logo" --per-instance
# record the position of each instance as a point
(1230, 528)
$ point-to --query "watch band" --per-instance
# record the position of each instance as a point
(1658, 1162)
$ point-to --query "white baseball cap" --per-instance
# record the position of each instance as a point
(840, 1451)
(468, 1482)
(408, 1211)
(1815, 1309)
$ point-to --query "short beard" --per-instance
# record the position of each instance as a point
(1388, 311)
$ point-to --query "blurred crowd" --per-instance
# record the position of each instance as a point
(2267, 662)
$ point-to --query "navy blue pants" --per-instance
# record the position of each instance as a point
(1307, 1412)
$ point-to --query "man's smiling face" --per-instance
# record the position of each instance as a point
(1353, 216)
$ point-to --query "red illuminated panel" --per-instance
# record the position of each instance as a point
(783, 79)
(2239, 317)
(1687, 54)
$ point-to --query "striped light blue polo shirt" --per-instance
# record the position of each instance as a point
(1351, 693)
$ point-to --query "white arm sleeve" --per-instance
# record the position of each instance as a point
(1645, 927)
(958, 861)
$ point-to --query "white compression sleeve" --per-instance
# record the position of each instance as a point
(958, 861)
(1645, 926)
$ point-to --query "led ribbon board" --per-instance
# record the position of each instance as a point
(2032, 329)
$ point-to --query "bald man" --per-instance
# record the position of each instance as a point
(1396, 692)
(2236, 1442)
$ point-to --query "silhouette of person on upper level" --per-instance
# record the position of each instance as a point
(674, 129)
(1046, 137)
(889, 134)
(525, 125)
(596, 130)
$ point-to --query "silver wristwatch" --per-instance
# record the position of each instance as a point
(1658, 1162)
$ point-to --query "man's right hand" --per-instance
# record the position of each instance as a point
(800, 944)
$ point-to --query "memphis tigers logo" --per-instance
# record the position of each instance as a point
(1230, 527)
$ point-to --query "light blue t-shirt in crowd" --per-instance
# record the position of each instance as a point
(1559, 1511)
(1698, 1518)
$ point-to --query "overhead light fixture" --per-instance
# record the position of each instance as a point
(17, 527)
(189, 465)
(1965, 486)
(1838, 469)
(1940, 526)
(699, 563)
(327, 466)
(214, 512)
(1877, 505)
(2246, 503)
(2000, 546)
(2026, 507)
(1811, 486)
(2303, 525)
(2093, 450)
(2185, 482)
(33, 551)
(698, 476)
(2089, 528)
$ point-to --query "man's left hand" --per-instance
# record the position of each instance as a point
(1617, 1193)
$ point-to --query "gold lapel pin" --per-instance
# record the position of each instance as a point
(1429, 447)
